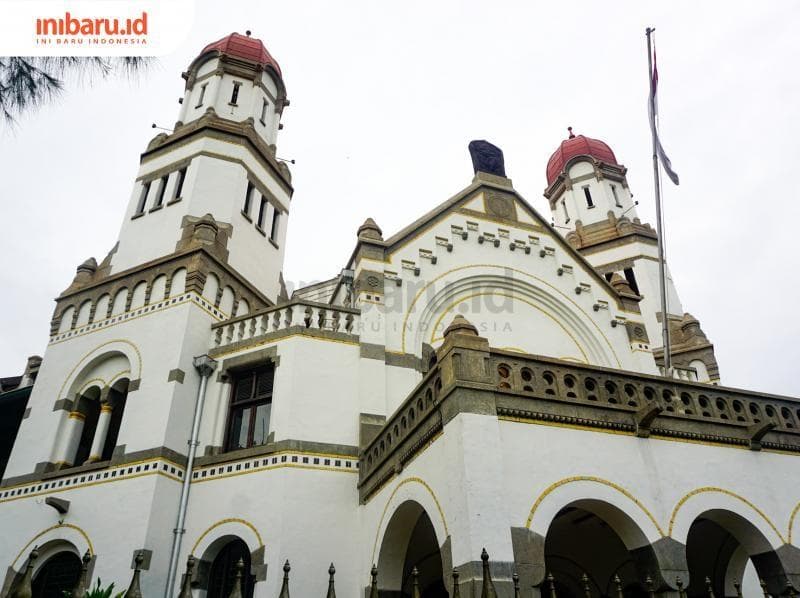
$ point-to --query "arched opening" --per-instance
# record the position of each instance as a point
(223, 570)
(58, 574)
(588, 546)
(89, 407)
(728, 550)
(410, 541)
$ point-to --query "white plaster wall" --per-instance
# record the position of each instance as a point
(154, 344)
(212, 186)
(118, 518)
(304, 514)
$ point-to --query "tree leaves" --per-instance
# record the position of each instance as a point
(27, 83)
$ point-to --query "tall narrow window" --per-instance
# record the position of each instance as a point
(202, 95)
(616, 197)
(162, 187)
(235, 93)
(588, 195)
(264, 106)
(247, 196)
(273, 231)
(566, 214)
(251, 404)
(179, 183)
(262, 212)
(143, 199)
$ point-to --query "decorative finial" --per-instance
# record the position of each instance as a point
(285, 585)
(248, 33)
(134, 589)
(515, 579)
(456, 589)
(618, 584)
(679, 585)
(331, 587)
(571, 134)
(415, 583)
(586, 590)
(487, 587)
(186, 586)
(709, 587)
(373, 591)
(236, 590)
(648, 581)
(551, 582)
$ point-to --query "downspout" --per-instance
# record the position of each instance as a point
(205, 367)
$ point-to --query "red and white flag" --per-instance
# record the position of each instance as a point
(653, 109)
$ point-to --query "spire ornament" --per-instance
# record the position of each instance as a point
(186, 587)
(79, 591)
(24, 589)
(285, 585)
(331, 589)
(134, 590)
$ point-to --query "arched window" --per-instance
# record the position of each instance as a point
(58, 575)
(223, 571)
(102, 419)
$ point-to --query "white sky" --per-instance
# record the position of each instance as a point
(386, 96)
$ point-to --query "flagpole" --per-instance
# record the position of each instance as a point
(662, 269)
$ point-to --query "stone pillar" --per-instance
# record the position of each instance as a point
(103, 424)
(472, 437)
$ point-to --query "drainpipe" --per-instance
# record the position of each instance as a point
(205, 367)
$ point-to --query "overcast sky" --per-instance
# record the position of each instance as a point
(386, 96)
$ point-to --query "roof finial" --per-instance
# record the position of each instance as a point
(571, 134)
(248, 33)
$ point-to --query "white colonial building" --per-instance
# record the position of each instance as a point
(484, 378)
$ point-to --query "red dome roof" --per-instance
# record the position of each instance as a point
(244, 47)
(577, 145)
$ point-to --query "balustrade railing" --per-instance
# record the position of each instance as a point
(302, 314)
(529, 376)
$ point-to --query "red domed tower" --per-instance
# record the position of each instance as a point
(215, 181)
(586, 183)
(236, 78)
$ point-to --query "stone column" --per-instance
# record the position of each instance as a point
(103, 423)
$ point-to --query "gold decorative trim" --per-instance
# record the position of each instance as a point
(234, 474)
(77, 415)
(51, 528)
(425, 485)
(791, 521)
(223, 522)
(597, 480)
(69, 376)
(559, 293)
(705, 489)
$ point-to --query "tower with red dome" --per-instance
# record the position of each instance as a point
(592, 206)
(218, 164)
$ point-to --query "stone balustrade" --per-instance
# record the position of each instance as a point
(522, 387)
(294, 315)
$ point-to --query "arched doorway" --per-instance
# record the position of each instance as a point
(585, 539)
(728, 549)
(410, 541)
(223, 570)
(57, 575)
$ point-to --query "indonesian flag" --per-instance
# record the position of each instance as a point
(662, 156)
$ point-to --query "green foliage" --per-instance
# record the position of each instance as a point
(98, 591)
(27, 82)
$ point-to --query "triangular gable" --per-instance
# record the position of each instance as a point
(525, 214)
